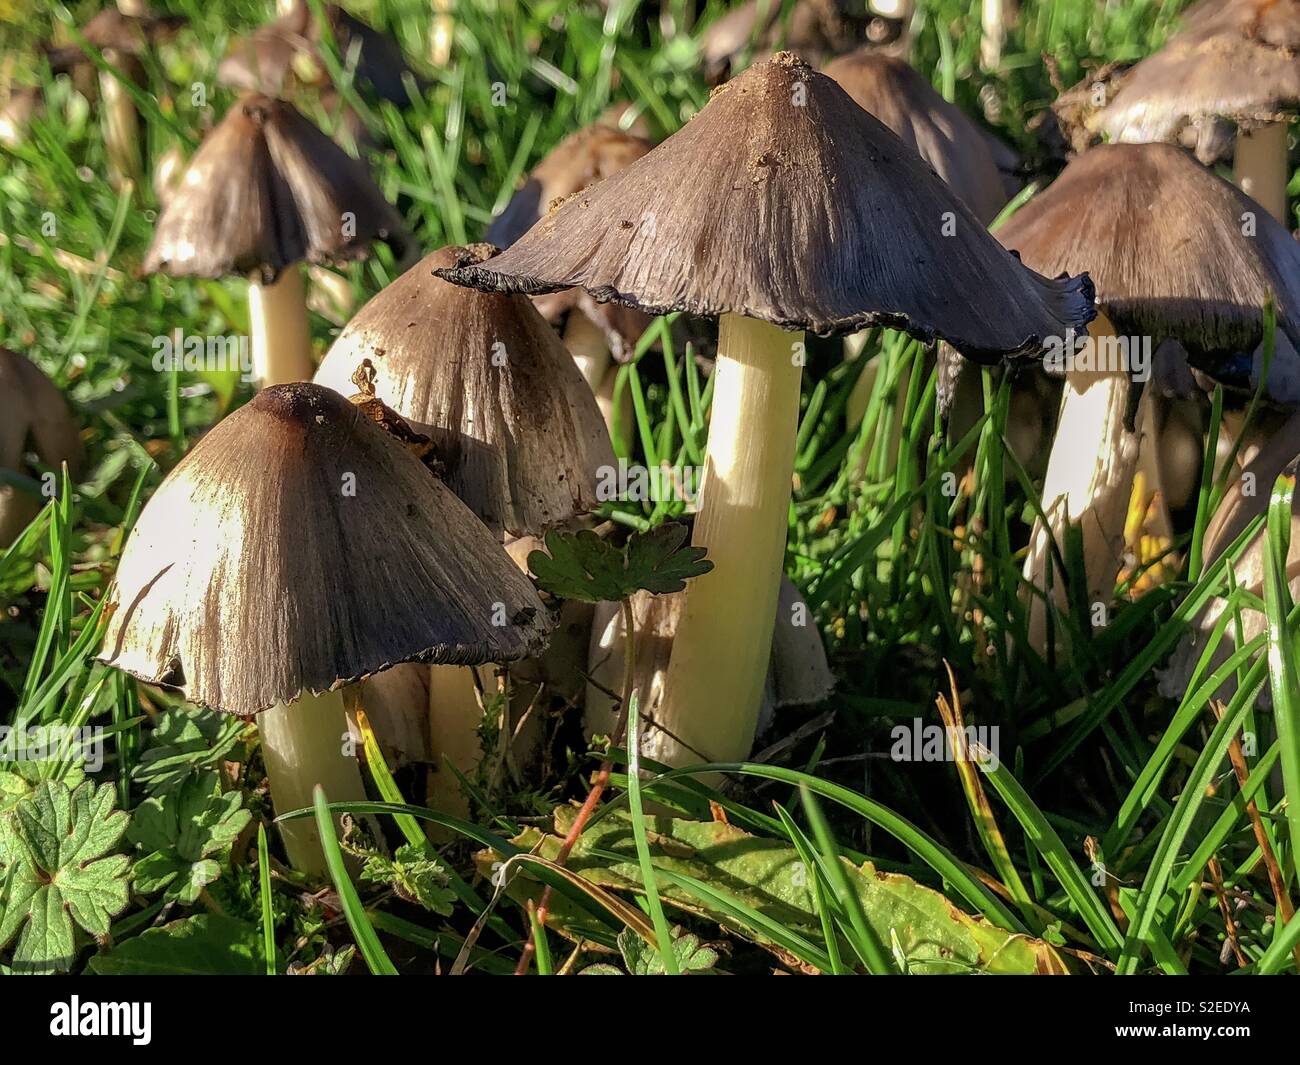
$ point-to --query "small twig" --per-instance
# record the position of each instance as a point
(598, 783)
(1281, 899)
(1225, 908)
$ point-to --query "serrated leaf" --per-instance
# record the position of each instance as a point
(55, 852)
(591, 569)
(415, 875)
(181, 829)
(204, 945)
(642, 959)
(184, 742)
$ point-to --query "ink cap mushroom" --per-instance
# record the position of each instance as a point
(296, 550)
(265, 191)
(781, 207)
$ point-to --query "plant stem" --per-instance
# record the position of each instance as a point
(993, 26)
(1260, 167)
(305, 743)
(281, 341)
(598, 782)
(720, 654)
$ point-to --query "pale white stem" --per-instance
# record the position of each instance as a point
(1260, 167)
(993, 33)
(305, 743)
(1089, 483)
(281, 339)
(720, 655)
(454, 719)
(122, 132)
(586, 343)
(135, 8)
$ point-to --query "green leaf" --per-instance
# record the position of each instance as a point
(184, 742)
(589, 568)
(641, 959)
(204, 945)
(54, 849)
(416, 875)
(768, 877)
(180, 830)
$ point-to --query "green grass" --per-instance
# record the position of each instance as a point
(1110, 799)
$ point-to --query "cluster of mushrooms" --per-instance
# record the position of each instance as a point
(357, 535)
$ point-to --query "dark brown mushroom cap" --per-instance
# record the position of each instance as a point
(299, 547)
(266, 189)
(591, 154)
(957, 149)
(1163, 241)
(512, 421)
(1237, 63)
(110, 30)
(782, 200)
(34, 416)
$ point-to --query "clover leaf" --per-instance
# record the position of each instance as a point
(180, 831)
(587, 567)
(56, 869)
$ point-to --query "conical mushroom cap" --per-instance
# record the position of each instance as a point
(1238, 61)
(33, 410)
(591, 154)
(266, 189)
(487, 380)
(33, 416)
(783, 200)
(1163, 241)
(957, 149)
(300, 547)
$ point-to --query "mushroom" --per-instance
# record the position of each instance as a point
(959, 151)
(264, 60)
(797, 675)
(781, 207)
(265, 190)
(1234, 63)
(515, 430)
(297, 549)
(35, 416)
(1247, 497)
(816, 29)
(1163, 240)
(122, 36)
(595, 334)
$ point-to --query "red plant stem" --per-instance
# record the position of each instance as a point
(598, 784)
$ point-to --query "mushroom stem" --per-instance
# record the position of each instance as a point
(281, 340)
(121, 127)
(1089, 483)
(17, 509)
(993, 32)
(454, 718)
(720, 655)
(586, 343)
(305, 743)
(1260, 167)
